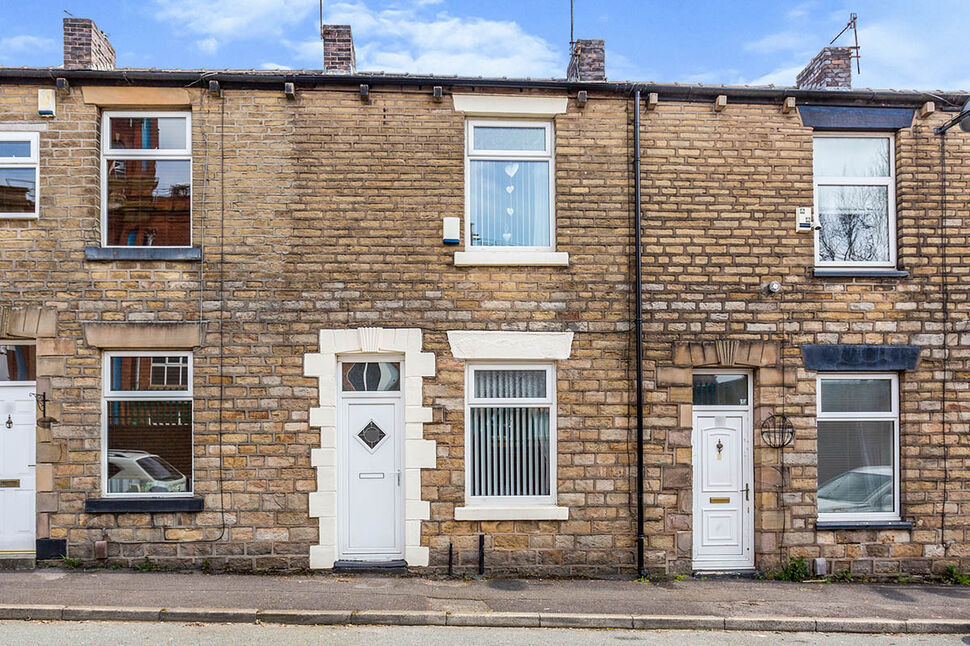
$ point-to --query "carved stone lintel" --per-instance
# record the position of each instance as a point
(727, 353)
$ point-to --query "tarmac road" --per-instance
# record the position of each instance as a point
(96, 633)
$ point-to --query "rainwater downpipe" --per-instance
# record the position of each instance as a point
(638, 327)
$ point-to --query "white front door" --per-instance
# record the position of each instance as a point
(17, 441)
(723, 524)
(371, 448)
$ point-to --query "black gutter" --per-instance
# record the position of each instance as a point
(638, 326)
(666, 92)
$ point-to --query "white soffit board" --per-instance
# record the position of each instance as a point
(510, 345)
(509, 106)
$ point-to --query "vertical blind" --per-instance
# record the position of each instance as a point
(509, 445)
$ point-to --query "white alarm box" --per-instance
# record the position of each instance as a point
(804, 223)
(452, 230)
(45, 103)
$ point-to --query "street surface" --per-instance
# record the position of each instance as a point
(93, 633)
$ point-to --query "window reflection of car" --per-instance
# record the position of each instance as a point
(864, 489)
(142, 472)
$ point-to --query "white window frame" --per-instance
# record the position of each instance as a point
(130, 154)
(888, 181)
(20, 342)
(471, 154)
(109, 395)
(33, 138)
(549, 401)
(865, 416)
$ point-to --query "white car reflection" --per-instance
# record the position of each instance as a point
(861, 490)
(142, 472)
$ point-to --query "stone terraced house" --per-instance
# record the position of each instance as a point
(330, 319)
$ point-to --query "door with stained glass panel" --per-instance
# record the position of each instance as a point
(370, 446)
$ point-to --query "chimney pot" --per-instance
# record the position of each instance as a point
(86, 47)
(831, 69)
(338, 50)
(587, 62)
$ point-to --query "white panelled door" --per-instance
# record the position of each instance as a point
(17, 441)
(723, 524)
(371, 478)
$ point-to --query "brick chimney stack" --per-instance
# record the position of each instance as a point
(831, 69)
(86, 47)
(338, 50)
(587, 61)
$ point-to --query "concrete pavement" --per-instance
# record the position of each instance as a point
(331, 599)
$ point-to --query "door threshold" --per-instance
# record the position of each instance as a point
(397, 566)
(726, 573)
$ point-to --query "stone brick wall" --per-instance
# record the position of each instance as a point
(332, 218)
(831, 68)
(86, 47)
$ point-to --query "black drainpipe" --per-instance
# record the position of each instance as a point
(638, 327)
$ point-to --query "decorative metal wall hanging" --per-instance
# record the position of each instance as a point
(777, 431)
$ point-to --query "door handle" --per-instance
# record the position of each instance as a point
(398, 475)
(747, 491)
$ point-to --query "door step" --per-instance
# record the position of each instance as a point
(740, 573)
(372, 567)
(17, 562)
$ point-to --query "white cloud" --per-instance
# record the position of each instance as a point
(25, 43)
(273, 66)
(207, 45)
(225, 20)
(783, 41)
(409, 40)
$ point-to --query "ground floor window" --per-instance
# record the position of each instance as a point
(147, 412)
(510, 422)
(858, 447)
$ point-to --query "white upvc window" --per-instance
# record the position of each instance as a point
(146, 179)
(147, 424)
(855, 201)
(509, 186)
(510, 434)
(858, 446)
(19, 175)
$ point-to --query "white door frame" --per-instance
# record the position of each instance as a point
(32, 385)
(343, 437)
(747, 474)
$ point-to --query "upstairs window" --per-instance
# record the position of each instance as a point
(147, 179)
(855, 201)
(19, 174)
(509, 185)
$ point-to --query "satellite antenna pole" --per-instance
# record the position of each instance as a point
(572, 41)
(855, 48)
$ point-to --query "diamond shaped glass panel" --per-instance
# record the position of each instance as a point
(371, 435)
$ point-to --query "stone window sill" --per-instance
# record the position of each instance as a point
(141, 505)
(831, 525)
(821, 272)
(143, 253)
(511, 258)
(538, 512)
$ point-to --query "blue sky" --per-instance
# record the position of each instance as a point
(914, 44)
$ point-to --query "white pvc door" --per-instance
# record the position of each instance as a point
(371, 442)
(17, 441)
(723, 476)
